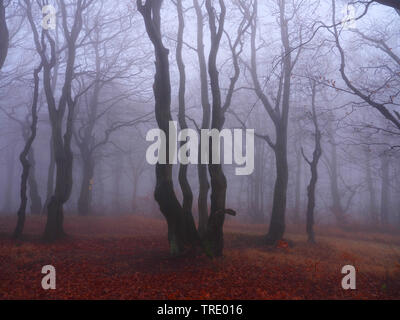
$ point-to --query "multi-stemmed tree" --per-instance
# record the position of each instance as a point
(45, 47)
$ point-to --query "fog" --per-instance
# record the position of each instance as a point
(289, 64)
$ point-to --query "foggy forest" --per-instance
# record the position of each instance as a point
(316, 83)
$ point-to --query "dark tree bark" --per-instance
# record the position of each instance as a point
(52, 161)
(314, 171)
(66, 104)
(50, 177)
(204, 185)
(24, 159)
(189, 227)
(218, 180)
(87, 147)
(395, 4)
(164, 192)
(279, 114)
(36, 201)
(214, 234)
(26, 129)
(62, 143)
(4, 34)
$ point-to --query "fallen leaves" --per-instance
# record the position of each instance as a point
(127, 258)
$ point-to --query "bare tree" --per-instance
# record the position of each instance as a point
(61, 140)
(23, 157)
(214, 235)
(204, 185)
(109, 68)
(218, 179)
(393, 117)
(279, 115)
(187, 204)
(164, 192)
(26, 130)
(314, 169)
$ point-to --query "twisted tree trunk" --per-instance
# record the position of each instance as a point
(279, 114)
(36, 201)
(215, 240)
(24, 161)
(164, 192)
(189, 224)
(50, 177)
(314, 171)
(277, 224)
(204, 185)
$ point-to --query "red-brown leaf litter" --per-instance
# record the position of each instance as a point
(127, 258)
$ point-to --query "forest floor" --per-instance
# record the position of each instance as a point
(127, 258)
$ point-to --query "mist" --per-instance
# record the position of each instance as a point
(83, 83)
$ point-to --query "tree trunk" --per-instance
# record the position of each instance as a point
(214, 236)
(55, 214)
(279, 114)
(277, 224)
(23, 158)
(314, 171)
(191, 234)
(86, 143)
(85, 196)
(61, 140)
(204, 185)
(50, 177)
(164, 192)
(36, 201)
(311, 204)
